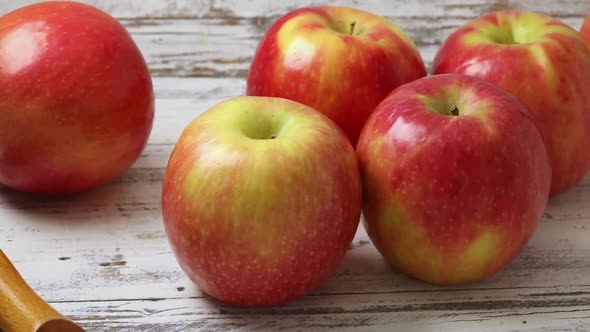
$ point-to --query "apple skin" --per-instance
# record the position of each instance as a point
(309, 56)
(548, 71)
(585, 30)
(76, 98)
(452, 199)
(255, 221)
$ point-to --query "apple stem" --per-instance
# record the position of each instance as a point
(454, 110)
(352, 25)
(273, 136)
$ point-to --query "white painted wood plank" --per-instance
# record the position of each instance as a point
(266, 8)
(204, 89)
(214, 48)
(402, 311)
(553, 309)
(110, 244)
(218, 38)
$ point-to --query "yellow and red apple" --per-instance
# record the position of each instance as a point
(585, 30)
(76, 98)
(546, 65)
(456, 177)
(340, 61)
(261, 199)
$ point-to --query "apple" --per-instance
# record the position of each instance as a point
(546, 65)
(586, 28)
(76, 98)
(338, 60)
(261, 200)
(455, 178)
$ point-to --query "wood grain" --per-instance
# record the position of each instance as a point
(406, 311)
(22, 310)
(102, 257)
(218, 38)
(265, 8)
(216, 47)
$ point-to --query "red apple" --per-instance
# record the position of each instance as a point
(456, 177)
(586, 28)
(76, 98)
(340, 61)
(261, 199)
(546, 65)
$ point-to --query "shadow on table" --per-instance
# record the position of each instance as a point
(135, 193)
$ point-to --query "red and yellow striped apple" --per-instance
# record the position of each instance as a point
(76, 98)
(261, 199)
(546, 65)
(456, 177)
(338, 60)
(586, 28)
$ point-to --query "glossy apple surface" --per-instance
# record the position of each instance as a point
(338, 60)
(546, 65)
(455, 177)
(261, 200)
(76, 98)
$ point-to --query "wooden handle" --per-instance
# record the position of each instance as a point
(22, 310)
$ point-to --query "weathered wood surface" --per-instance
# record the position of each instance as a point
(218, 38)
(103, 259)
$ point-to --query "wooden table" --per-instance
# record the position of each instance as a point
(102, 257)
